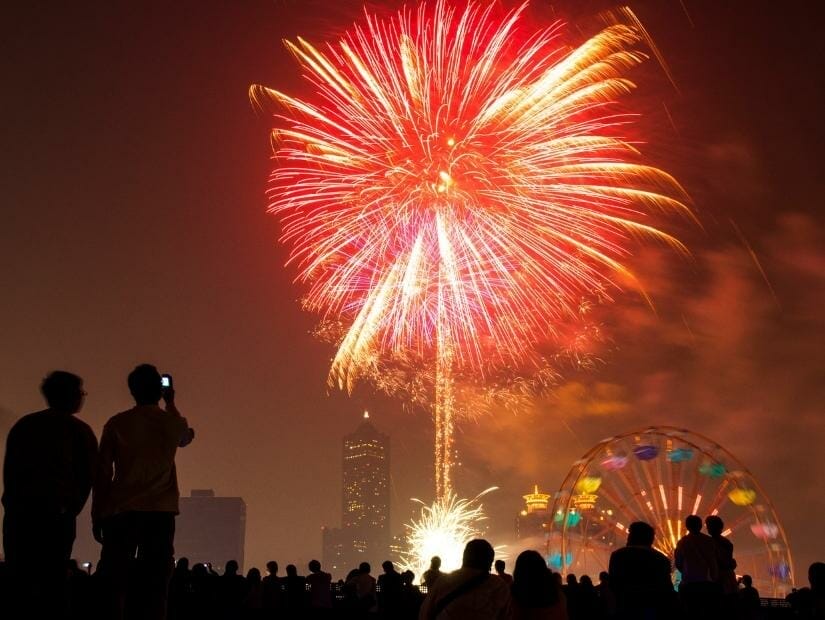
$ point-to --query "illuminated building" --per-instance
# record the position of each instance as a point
(534, 516)
(364, 535)
(211, 529)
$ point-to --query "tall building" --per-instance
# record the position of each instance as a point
(211, 529)
(364, 534)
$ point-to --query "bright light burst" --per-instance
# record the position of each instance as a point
(443, 529)
(456, 185)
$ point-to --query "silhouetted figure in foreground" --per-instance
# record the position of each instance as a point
(253, 598)
(47, 476)
(607, 600)
(749, 606)
(536, 594)
(571, 593)
(432, 574)
(726, 564)
(810, 602)
(469, 593)
(697, 560)
(363, 588)
(411, 596)
(320, 597)
(271, 590)
(180, 590)
(389, 597)
(231, 590)
(640, 578)
(499, 566)
(295, 592)
(136, 498)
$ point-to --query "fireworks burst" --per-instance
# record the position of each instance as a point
(443, 529)
(457, 185)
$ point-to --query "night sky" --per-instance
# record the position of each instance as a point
(134, 229)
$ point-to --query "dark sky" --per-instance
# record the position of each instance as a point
(134, 229)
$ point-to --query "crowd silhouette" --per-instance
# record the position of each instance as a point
(53, 463)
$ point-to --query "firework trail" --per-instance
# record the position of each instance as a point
(456, 185)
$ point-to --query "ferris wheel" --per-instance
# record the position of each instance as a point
(661, 475)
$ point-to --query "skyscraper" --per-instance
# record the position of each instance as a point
(365, 524)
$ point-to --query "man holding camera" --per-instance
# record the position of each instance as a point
(135, 496)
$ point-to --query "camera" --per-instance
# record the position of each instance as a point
(166, 382)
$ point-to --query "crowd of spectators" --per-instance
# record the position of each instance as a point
(53, 462)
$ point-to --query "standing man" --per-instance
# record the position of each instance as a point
(471, 592)
(639, 577)
(499, 566)
(47, 476)
(696, 558)
(136, 497)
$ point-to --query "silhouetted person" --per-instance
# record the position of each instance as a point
(571, 592)
(231, 590)
(136, 496)
(295, 592)
(810, 602)
(749, 606)
(253, 599)
(363, 585)
(536, 594)
(588, 603)
(640, 577)
(607, 600)
(47, 475)
(320, 596)
(726, 563)
(432, 574)
(696, 559)
(180, 590)
(499, 566)
(204, 605)
(271, 590)
(469, 593)
(389, 595)
(411, 596)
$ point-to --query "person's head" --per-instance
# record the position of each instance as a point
(816, 575)
(199, 571)
(747, 581)
(291, 570)
(604, 577)
(364, 568)
(478, 554)
(253, 575)
(144, 384)
(407, 577)
(571, 579)
(435, 562)
(640, 534)
(534, 585)
(387, 566)
(63, 391)
(693, 524)
(272, 567)
(586, 581)
(715, 525)
(314, 566)
(182, 565)
(499, 565)
(231, 568)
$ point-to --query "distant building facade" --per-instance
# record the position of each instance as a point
(364, 535)
(211, 529)
(534, 518)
